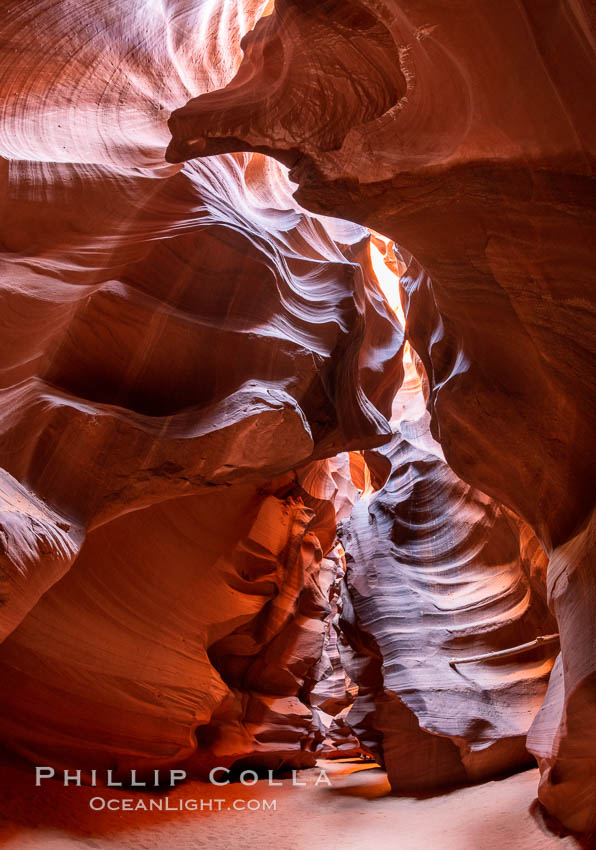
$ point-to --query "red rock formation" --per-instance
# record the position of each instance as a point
(480, 152)
(38, 545)
(435, 576)
(467, 136)
(185, 350)
(176, 341)
(560, 736)
(333, 692)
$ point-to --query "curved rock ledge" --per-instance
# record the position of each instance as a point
(187, 357)
(475, 155)
(435, 575)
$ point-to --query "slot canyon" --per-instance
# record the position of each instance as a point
(297, 424)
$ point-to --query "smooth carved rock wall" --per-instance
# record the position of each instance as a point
(468, 139)
(174, 639)
(567, 785)
(333, 692)
(184, 353)
(188, 331)
(560, 737)
(434, 574)
(487, 182)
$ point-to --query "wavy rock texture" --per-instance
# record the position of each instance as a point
(467, 136)
(171, 630)
(500, 175)
(37, 546)
(333, 692)
(558, 738)
(434, 574)
(183, 348)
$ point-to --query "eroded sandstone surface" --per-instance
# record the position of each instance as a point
(199, 383)
(437, 574)
(475, 153)
(188, 358)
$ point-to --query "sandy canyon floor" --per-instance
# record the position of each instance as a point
(356, 812)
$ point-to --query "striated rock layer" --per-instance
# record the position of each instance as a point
(333, 692)
(187, 358)
(182, 349)
(466, 135)
(174, 639)
(434, 576)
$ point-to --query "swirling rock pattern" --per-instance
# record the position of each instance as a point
(475, 154)
(187, 358)
(185, 350)
(434, 574)
(452, 155)
(558, 738)
(156, 639)
(37, 546)
(333, 692)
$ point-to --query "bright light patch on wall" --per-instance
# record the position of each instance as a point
(388, 281)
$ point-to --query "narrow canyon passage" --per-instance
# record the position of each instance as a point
(297, 414)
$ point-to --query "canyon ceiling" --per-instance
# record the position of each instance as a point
(250, 513)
